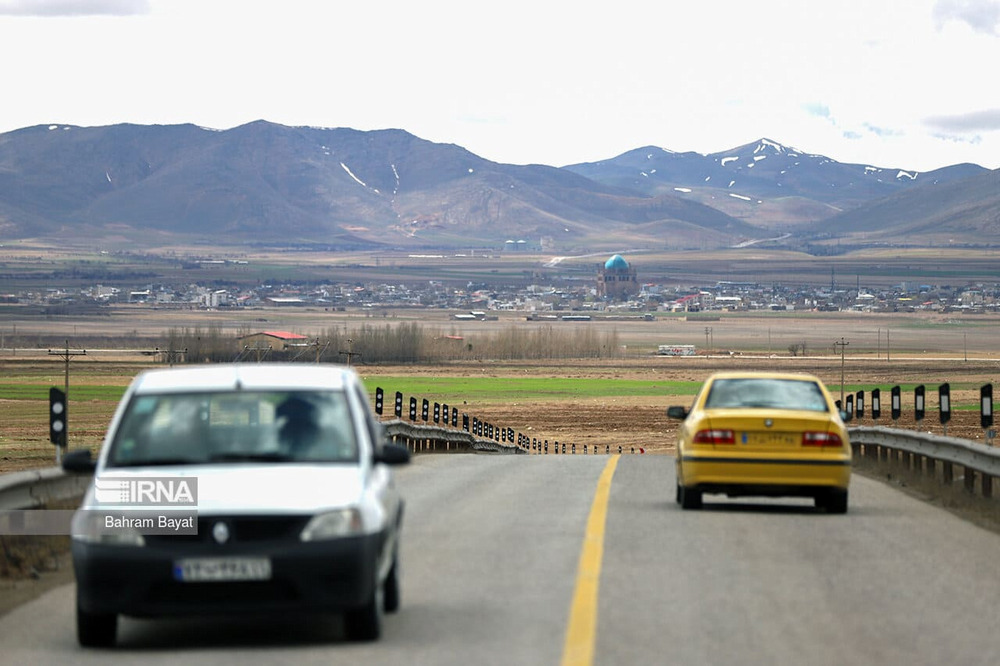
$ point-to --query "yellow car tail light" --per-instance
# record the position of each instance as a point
(823, 439)
(714, 437)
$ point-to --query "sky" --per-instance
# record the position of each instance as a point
(907, 84)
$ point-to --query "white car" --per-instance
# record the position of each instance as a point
(227, 489)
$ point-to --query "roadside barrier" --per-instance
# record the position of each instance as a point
(923, 452)
(436, 427)
(433, 439)
(35, 488)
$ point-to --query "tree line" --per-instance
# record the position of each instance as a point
(399, 343)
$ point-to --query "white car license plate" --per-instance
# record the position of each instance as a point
(203, 569)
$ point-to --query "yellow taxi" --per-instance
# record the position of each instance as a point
(763, 434)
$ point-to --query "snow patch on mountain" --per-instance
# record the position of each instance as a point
(358, 180)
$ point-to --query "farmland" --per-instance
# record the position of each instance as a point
(603, 403)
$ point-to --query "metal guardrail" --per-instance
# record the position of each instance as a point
(36, 488)
(921, 452)
(431, 439)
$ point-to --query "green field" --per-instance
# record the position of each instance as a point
(500, 389)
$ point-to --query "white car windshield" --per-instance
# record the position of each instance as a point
(235, 427)
(764, 393)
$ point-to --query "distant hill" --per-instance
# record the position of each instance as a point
(272, 185)
(964, 212)
(764, 182)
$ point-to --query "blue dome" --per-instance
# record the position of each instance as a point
(616, 263)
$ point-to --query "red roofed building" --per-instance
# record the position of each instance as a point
(274, 340)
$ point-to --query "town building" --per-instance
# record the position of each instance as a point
(273, 340)
(617, 280)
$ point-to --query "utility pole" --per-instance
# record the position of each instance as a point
(350, 353)
(842, 344)
(67, 354)
(170, 355)
(320, 349)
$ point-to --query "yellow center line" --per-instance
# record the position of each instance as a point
(581, 632)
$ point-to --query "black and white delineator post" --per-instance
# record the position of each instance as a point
(944, 406)
(919, 403)
(986, 412)
(57, 420)
(859, 405)
(876, 404)
(897, 408)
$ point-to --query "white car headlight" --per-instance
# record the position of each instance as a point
(333, 524)
(106, 529)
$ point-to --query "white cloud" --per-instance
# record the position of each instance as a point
(980, 15)
(975, 121)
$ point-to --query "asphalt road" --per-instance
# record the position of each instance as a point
(491, 548)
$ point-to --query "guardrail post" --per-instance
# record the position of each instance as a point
(947, 473)
(970, 480)
(987, 481)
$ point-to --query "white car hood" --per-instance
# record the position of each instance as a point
(258, 488)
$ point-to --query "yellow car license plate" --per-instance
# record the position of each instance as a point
(770, 438)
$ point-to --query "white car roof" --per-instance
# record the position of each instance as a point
(240, 376)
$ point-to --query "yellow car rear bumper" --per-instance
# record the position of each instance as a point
(721, 471)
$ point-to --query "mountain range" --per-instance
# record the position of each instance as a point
(266, 184)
